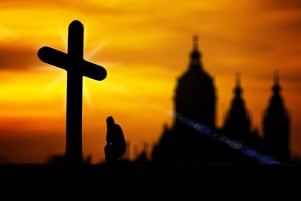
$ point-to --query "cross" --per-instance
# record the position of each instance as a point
(76, 67)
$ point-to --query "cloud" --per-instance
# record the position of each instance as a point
(87, 7)
(281, 5)
(291, 76)
(288, 75)
(293, 24)
(14, 57)
(283, 15)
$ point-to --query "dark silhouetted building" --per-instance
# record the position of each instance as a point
(276, 125)
(195, 100)
(195, 94)
(237, 125)
(237, 122)
(195, 108)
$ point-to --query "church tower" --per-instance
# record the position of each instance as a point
(194, 99)
(195, 95)
(276, 125)
(237, 122)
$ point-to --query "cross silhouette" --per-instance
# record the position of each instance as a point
(76, 67)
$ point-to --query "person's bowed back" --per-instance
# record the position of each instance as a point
(116, 144)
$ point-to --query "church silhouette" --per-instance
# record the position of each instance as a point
(195, 99)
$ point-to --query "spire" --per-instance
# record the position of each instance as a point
(195, 42)
(276, 88)
(237, 122)
(195, 54)
(276, 124)
(238, 79)
(238, 89)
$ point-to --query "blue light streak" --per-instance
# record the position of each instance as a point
(205, 130)
(236, 145)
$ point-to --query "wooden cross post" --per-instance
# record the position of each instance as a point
(76, 67)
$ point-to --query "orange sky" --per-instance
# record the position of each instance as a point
(144, 47)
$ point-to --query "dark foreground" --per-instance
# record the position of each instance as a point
(134, 178)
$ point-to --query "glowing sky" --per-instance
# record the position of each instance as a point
(144, 46)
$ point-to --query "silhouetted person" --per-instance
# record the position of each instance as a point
(116, 144)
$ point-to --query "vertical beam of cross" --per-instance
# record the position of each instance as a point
(76, 68)
(74, 105)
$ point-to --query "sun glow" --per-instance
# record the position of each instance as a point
(144, 46)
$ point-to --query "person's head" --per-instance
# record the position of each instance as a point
(110, 120)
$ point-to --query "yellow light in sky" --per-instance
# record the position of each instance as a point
(144, 46)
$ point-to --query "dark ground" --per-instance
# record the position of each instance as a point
(132, 178)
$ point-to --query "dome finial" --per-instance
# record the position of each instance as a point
(238, 79)
(276, 87)
(195, 54)
(195, 42)
(237, 89)
(276, 77)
